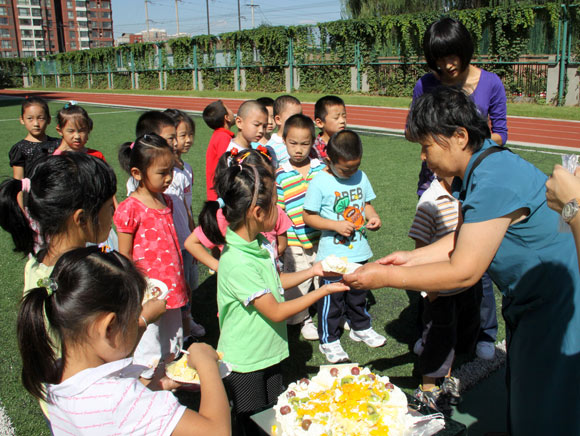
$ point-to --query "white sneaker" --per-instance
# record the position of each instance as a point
(196, 329)
(369, 337)
(309, 330)
(418, 347)
(485, 350)
(333, 352)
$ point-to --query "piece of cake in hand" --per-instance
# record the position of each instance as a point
(335, 264)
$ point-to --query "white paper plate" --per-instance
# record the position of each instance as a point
(155, 286)
(224, 370)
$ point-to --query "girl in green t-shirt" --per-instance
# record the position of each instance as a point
(252, 310)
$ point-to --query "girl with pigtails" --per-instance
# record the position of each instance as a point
(92, 302)
(252, 310)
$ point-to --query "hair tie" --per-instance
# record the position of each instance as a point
(132, 145)
(221, 202)
(234, 152)
(70, 103)
(25, 184)
(49, 284)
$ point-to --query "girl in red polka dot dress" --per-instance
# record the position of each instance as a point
(147, 235)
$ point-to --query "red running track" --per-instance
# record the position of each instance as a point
(542, 132)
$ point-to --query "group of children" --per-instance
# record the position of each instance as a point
(277, 205)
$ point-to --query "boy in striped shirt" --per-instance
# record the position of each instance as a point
(450, 318)
(292, 179)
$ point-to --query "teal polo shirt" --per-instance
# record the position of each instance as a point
(248, 339)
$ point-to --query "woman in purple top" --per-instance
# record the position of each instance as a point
(448, 50)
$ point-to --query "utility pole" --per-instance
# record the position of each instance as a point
(253, 6)
(177, 16)
(207, 9)
(147, 19)
(239, 17)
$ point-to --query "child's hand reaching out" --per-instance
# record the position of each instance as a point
(332, 288)
(153, 309)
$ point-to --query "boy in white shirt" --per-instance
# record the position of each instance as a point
(284, 107)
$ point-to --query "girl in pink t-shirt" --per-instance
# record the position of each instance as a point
(198, 243)
(147, 235)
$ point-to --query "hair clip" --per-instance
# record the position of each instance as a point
(234, 152)
(25, 184)
(264, 151)
(70, 103)
(243, 157)
(49, 284)
(132, 145)
(221, 202)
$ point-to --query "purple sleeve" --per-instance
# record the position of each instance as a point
(490, 98)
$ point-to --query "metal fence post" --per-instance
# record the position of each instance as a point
(133, 79)
(563, 63)
(291, 63)
(357, 61)
(195, 67)
(238, 61)
(110, 76)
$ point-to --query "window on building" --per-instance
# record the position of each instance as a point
(93, 5)
(106, 15)
(24, 22)
(70, 15)
(2, 10)
(37, 22)
(39, 44)
(72, 35)
(27, 44)
(6, 44)
(82, 24)
(81, 14)
(28, 54)
(48, 13)
(81, 4)
(107, 34)
(73, 45)
(23, 2)
(71, 24)
(106, 24)
(24, 12)
(84, 44)
(69, 4)
(3, 20)
(106, 5)
(5, 33)
(35, 2)
(38, 34)
(36, 13)
(84, 33)
(26, 33)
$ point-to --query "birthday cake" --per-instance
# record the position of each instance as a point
(343, 400)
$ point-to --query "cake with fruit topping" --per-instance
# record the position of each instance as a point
(342, 400)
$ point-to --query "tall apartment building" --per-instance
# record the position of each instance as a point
(33, 28)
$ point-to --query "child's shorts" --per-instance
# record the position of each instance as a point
(161, 338)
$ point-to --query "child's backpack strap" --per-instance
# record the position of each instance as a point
(483, 155)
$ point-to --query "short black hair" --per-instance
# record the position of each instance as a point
(214, 114)
(266, 101)
(284, 100)
(179, 117)
(441, 112)
(299, 121)
(447, 37)
(345, 145)
(322, 105)
(152, 122)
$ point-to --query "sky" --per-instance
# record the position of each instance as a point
(129, 15)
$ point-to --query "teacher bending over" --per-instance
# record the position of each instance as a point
(508, 230)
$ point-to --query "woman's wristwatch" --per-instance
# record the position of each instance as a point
(570, 210)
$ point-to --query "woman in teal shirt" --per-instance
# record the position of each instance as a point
(508, 228)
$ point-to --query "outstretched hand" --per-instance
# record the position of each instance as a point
(396, 258)
(369, 276)
(335, 287)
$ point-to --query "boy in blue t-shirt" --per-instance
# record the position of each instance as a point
(338, 202)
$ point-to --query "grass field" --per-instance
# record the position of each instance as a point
(392, 165)
(513, 109)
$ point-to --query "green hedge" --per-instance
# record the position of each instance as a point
(218, 79)
(266, 79)
(122, 80)
(179, 80)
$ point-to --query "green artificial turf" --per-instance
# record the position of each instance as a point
(392, 165)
